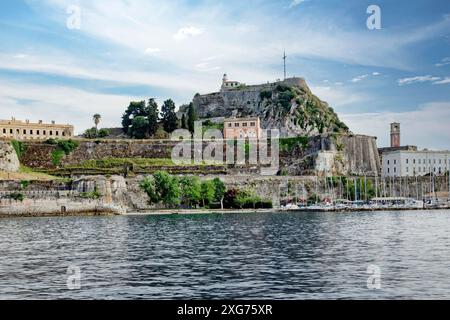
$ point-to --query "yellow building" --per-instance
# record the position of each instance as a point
(26, 130)
(242, 128)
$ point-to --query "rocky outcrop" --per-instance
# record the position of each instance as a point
(287, 105)
(8, 157)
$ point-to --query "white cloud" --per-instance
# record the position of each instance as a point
(443, 81)
(426, 127)
(152, 51)
(295, 3)
(51, 103)
(376, 74)
(207, 66)
(187, 32)
(60, 64)
(241, 39)
(337, 96)
(359, 78)
(443, 62)
(428, 78)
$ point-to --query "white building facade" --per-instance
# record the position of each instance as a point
(407, 163)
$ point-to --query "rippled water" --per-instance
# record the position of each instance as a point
(267, 255)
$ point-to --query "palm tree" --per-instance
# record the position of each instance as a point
(96, 117)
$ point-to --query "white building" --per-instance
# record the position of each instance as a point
(227, 84)
(409, 163)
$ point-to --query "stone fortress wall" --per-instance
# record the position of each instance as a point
(9, 161)
(349, 154)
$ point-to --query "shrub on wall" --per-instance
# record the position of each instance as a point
(289, 144)
(19, 147)
(63, 147)
(17, 196)
(57, 156)
(24, 184)
(91, 195)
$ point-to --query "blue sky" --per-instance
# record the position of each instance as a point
(136, 49)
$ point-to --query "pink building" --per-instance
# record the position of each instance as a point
(242, 128)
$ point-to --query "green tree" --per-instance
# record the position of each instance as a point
(162, 188)
(138, 128)
(93, 133)
(135, 109)
(190, 190)
(219, 191)
(90, 133)
(152, 117)
(168, 116)
(96, 117)
(192, 117)
(148, 185)
(183, 122)
(207, 192)
(102, 133)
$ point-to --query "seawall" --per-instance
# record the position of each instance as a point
(117, 195)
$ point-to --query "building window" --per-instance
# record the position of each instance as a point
(407, 161)
(407, 169)
(236, 124)
(244, 124)
(10, 131)
(57, 133)
(51, 132)
(388, 170)
(31, 131)
(64, 134)
(252, 124)
(45, 132)
(229, 125)
(37, 132)
(414, 161)
(419, 161)
(388, 162)
(395, 169)
(4, 130)
(395, 161)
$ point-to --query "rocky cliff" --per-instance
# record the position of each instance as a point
(8, 157)
(288, 105)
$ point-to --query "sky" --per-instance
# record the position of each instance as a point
(65, 60)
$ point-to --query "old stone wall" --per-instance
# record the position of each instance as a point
(342, 154)
(39, 154)
(41, 198)
(8, 158)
